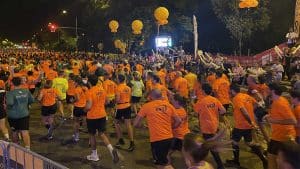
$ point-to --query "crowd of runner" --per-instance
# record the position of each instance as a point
(246, 101)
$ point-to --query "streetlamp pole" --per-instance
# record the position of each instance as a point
(76, 24)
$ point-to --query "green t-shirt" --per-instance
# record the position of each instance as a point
(17, 102)
(137, 88)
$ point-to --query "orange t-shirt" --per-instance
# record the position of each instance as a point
(49, 96)
(297, 115)
(247, 102)
(183, 129)
(280, 110)
(2, 84)
(264, 90)
(124, 93)
(198, 91)
(181, 86)
(208, 114)
(81, 93)
(159, 115)
(31, 82)
(162, 77)
(71, 90)
(111, 88)
(211, 79)
(76, 69)
(98, 98)
(92, 69)
(51, 74)
(140, 68)
(221, 89)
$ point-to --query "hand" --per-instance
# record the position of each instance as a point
(266, 118)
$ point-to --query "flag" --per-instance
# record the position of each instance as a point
(195, 35)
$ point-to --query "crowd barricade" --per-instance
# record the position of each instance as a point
(13, 156)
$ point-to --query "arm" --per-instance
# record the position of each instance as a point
(88, 105)
(138, 121)
(40, 97)
(246, 115)
(176, 122)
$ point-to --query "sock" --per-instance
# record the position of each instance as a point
(76, 135)
(258, 152)
(217, 158)
(94, 152)
(50, 130)
(6, 136)
(27, 147)
(236, 153)
(110, 148)
(131, 142)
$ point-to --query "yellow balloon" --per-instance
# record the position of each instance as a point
(161, 14)
(113, 25)
(137, 27)
(117, 43)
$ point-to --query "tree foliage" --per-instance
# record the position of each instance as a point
(242, 23)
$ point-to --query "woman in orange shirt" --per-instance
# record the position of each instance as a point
(47, 98)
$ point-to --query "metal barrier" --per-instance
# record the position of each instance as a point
(13, 156)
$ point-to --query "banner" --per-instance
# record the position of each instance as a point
(297, 17)
(195, 35)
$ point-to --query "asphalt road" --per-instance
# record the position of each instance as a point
(74, 155)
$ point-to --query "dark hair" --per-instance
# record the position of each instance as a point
(195, 145)
(235, 87)
(181, 100)
(219, 73)
(16, 81)
(93, 79)
(78, 80)
(29, 73)
(207, 88)
(291, 153)
(277, 88)
(156, 78)
(121, 78)
(71, 76)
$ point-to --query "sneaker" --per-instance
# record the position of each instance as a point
(50, 137)
(115, 156)
(92, 157)
(233, 163)
(75, 139)
(120, 142)
(131, 147)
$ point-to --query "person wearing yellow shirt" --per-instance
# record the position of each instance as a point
(61, 84)
(191, 79)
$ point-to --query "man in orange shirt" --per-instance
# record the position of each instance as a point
(162, 76)
(48, 97)
(111, 88)
(211, 77)
(161, 118)
(181, 85)
(244, 121)
(208, 110)
(96, 119)
(221, 89)
(157, 85)
(51, 74)
(296, 102)
(79, 105)
(123, 96)
(282, 122)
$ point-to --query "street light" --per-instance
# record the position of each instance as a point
(64, 12)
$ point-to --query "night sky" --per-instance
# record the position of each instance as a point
(20, 19)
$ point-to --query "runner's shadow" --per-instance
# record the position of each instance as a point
(144, 163)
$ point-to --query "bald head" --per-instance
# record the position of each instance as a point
(156, 94)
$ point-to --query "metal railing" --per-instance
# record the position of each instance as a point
(13, 156)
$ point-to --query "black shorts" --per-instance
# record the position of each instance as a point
(2, 114)
(70, 99)
(19, 124)
(176, 144)
(111, 104)
(135, 99)
(123, 113)
(160, 150)
(79, 112)
(259, 114)
(237, 135)
(49, 110)
(226, 106)
(95, 125)
(274, 146)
